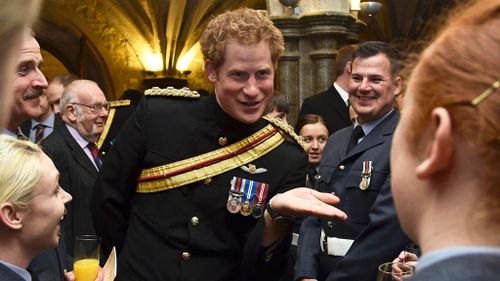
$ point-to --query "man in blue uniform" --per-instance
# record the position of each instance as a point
(355, 166)
(184, 189)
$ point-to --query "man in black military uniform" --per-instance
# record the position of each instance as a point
(184, 189)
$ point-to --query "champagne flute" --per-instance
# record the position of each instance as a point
(86, 260)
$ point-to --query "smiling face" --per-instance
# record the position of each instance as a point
(372, 88)
(88, 122)
(244, 82)
(315, 136)
(29, 82)
(41, 229)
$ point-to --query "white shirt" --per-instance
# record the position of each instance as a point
(343, 94)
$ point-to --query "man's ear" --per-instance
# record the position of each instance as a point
(210, 71)
(71, 112)
(439, 151)
(398, 84)
(11, 216)
(347, 68)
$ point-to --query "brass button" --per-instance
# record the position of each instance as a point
(207, 181)
(268, 257)
(186, 256)
(329, 224)
(222, 141)
(341, 167)
(195, 221)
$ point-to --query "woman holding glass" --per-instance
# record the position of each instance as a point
(446, 149)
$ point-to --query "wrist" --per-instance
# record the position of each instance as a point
(276, 216)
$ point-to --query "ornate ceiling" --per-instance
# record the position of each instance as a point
(111, 41)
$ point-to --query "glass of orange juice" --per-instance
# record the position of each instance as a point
(86, 260)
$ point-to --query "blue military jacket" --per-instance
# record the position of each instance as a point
(372, 222)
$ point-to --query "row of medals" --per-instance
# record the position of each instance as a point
(234, 205)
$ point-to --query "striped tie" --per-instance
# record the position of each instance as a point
(95, 154)
(39, 132)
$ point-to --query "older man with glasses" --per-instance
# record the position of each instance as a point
(84, 110)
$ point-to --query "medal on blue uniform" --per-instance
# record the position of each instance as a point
(233, 204)
(366, 175)
(260, 197)
(246, 208)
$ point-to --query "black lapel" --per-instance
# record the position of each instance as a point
(338, 104)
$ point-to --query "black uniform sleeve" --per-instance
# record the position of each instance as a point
(269, 263)
(117, 181)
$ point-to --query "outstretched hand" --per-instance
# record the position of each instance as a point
(302, 201)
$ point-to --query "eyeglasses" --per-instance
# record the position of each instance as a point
(95, 107)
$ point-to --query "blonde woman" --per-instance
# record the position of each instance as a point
(31, 206)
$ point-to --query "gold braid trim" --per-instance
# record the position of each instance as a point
(107, 125)
(210, 164)
(119, 103)
(287, 129)
(172, 92)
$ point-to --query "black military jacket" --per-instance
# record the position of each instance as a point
(187, 233)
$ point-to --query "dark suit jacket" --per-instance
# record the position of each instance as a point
(50, 265)
(77, 177)
(482, 267)
(153, 230)
(330, 105)
(6, 274)
(372, 220)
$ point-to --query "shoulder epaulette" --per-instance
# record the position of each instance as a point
(288, 130)
(172, 92)
(119, 103)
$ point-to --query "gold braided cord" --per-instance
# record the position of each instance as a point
(287, 129)
(172, 92)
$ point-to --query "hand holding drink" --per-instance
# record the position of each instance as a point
(86, 260)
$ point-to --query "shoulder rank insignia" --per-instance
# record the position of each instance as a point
(252, 169)
(172, 92)
(119, 103)
(288, 130)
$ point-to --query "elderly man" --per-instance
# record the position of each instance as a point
(72, 148)
(355, 166)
